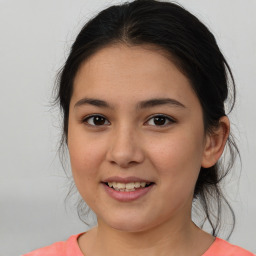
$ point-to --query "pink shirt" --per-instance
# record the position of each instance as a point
(70, 247)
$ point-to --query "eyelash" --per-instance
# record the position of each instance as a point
(171, 120)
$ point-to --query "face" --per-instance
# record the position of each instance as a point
(135, 137)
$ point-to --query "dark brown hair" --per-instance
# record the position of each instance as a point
(193, 48)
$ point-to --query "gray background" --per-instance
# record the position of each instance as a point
(35, 37)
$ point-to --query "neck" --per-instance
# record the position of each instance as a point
(171, 239)
(149, 242)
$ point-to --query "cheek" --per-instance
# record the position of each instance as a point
(177, 161)
(86, 154)
(177, 157)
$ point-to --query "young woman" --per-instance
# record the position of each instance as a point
(142, 94)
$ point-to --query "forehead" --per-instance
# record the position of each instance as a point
(121, 72)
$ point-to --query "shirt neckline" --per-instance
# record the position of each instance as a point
(73, 241)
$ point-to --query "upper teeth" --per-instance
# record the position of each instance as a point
(131, 185)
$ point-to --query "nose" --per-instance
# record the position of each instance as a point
(125, 149)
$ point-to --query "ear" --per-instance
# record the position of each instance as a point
(215, 143)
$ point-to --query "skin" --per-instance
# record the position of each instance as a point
(130, 143)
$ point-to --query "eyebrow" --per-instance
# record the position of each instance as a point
(141, 105)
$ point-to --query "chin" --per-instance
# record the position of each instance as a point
(129, 224)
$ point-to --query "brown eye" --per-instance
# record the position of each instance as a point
(95, 120)
(161, 120)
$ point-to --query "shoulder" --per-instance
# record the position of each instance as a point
(64, 248)
(221, 247)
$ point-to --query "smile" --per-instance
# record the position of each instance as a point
(128, 187)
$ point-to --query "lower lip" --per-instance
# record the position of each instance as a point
(127, 196)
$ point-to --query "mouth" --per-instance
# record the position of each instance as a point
(128, 187)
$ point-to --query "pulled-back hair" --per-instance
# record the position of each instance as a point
(191, 46)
